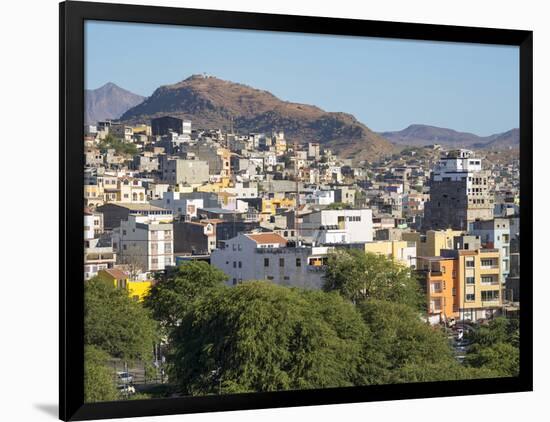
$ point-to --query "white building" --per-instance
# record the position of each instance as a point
(144, 246)
(98, 255)
(179, 203)
(337, 226)
(456, 166)
(320, 197)
(266, 256)
(93, 224)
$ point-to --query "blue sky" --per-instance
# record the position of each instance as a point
(386, 84)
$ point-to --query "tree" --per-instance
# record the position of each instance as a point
(117, 324)
(263, 337)
(170, 298)
(495, 347)
(120, 147)
(360, 276)
(98, 377)
(403, 348)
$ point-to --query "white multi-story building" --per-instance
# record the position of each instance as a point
(337, 226)
(93, 224)
(456, 166)
(266, 256)
(146, 246)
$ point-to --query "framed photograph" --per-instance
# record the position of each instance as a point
(267, 210)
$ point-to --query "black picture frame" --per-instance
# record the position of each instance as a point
(72, 16)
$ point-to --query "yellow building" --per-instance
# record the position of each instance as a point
(215, 187)
(401, 251)
(270, 206)
(142, 129)
(137, 290)
(432, 242)
(479, 288)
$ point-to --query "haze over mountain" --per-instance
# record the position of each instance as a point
(420, 135)
(214, 103)
(108, 102)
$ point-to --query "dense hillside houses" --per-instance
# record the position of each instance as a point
(260, 205)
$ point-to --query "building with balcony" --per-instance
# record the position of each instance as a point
(268, 256)
(467, 279)
(98, 255)
(144, 246)
(495, 234)
(459, 192)
(337, 226)
(479, 289)
(440, 281)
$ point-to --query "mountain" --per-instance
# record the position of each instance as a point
(419, 135)
(108, 102)
(213, 103)
(503, 140)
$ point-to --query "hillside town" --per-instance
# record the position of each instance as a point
(260, 207)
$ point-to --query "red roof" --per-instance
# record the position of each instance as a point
(262, 238)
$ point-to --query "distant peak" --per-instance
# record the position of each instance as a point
(109, 85)
(200, 76)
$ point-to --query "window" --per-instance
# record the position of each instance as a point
(487, 262)
(489, 295)
(298, 262)
(281, 262)
(234, 281)
(240, 264)
(487, 279)
(234, 264)
(470, 297)
(266, 262)
(470, 280)
(124, 232)
(470, 263)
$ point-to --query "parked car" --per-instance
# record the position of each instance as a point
(125, 378)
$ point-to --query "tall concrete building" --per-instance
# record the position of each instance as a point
(459, 193)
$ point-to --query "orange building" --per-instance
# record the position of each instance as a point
(441, 287)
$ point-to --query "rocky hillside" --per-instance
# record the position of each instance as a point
(108, 102)
(213, 103)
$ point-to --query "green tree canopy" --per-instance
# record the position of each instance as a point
(170, 298)
(115, 323)
(263, 337)
(120, 147)
(404, 348)
(360, 276)
(99, 382)
(495, 347)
